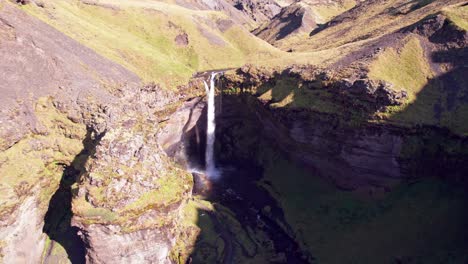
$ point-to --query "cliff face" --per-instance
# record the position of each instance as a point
(355, 121)
(73, 123)
(41, 134)
(129, 201)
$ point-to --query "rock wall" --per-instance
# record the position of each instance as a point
(23, 240)
(366, 156)
(129, 200)
(78, 127)
(185, 124)
(107, 245)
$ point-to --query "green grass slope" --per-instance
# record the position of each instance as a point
(367, 21)
(418, 223)
(140, 35)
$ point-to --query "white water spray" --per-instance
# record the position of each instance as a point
(210, 170)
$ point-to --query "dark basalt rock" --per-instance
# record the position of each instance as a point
(439, 30)
(378, 92)
(182, 39)
(23, 2)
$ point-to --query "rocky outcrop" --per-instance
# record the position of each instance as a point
(128, 204)
(371, 95)
(108, 245)
(258, 10)
(59, 96)
(292, 19)
(250, 13)
(51, 88)
(225, 6)
(40, 61)
(23, 240)
(379, 93)
(180, 126)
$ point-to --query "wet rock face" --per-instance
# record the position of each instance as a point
(181, 126)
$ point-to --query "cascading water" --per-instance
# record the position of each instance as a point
(210, 169)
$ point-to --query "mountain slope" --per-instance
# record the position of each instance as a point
(368, 20)
(370, 94)
(299, 18)
(50, 84)
(158, 41)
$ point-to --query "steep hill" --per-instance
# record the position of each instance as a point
(366, 21)
(299, 18)
(158, 41)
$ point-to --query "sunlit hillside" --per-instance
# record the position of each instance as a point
(159, 41)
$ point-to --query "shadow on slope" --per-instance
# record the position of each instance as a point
(245, 223)
(419, 220)
(265, 193)
(57, 221)
(443, 101)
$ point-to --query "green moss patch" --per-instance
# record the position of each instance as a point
(406, 68)
(37, 160)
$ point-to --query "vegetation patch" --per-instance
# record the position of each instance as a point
(329, 10)
(38, 160)
(140, 35)
(458, 15)
(406, 68)
(419, 221)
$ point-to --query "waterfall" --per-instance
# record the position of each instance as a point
(210, 169)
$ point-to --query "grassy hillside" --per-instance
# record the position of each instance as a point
(367, 21)
(343, 227)
(140, 35)
(458, 15)
(406, 68)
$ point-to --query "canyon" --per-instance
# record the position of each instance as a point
(259, 131)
